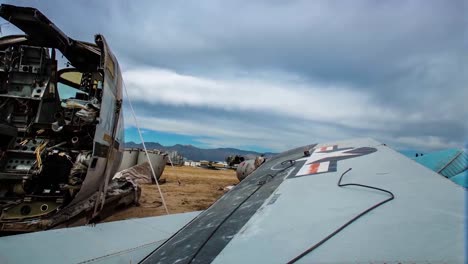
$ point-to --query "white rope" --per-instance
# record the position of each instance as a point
(169, 156)
(144, 147)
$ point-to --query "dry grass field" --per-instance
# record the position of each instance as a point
(186, 189)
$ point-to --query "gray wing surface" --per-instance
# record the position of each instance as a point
(292, 202)
(127, 241)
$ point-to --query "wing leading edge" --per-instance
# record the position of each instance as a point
(127, 241)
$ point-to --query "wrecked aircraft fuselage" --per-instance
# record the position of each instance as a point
(61, 130)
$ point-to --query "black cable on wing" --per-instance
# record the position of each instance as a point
(312, 248)
(260, 184)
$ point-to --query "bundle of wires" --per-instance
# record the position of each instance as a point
(38, 153)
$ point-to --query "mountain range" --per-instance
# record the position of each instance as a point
(191, 152)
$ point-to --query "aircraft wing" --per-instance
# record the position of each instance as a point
(292, 209)
(126, 241)
(353, 201)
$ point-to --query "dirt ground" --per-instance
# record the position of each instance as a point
(186, 189)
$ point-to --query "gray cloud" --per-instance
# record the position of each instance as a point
(402, 58)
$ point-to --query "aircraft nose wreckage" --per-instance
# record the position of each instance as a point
(60, 130)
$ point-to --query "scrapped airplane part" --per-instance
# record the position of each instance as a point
(133, 156)
(157, 159)
(461, 179)
(374, 206)
(245, 168)
(61, 130)
(234, 161)
(140, 174)
(450, 163)
(129, 158)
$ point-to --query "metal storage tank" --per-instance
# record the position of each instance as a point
(158, 160)
(129, 158)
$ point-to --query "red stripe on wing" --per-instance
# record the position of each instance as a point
(313, 168)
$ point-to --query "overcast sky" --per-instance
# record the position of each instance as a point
(271, 75)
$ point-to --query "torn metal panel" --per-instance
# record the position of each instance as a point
(141, 174)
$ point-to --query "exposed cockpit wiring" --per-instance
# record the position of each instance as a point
(144, 148)
(312, 248)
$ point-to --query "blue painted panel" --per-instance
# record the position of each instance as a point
(437, 160)
(461, 179)
(456, 166)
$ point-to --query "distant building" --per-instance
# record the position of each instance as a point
(212, 164)
(192, 163)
